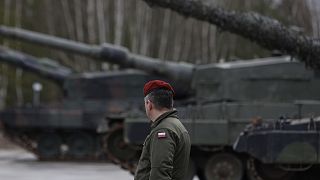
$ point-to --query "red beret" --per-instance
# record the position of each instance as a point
(156, 84)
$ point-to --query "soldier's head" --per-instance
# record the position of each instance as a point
(158, 98)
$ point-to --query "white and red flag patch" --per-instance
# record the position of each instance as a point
(162, 135)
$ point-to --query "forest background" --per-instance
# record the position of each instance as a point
(143, 30)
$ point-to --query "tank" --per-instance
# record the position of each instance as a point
(215, 104)
(290, 148)
(227, 97)
(72, 129)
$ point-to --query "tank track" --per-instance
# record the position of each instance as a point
(29, 144)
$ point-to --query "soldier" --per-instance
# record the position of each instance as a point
(166, 150)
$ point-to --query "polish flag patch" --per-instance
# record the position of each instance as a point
(162, 135)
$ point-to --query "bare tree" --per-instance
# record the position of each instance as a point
(144, 45)
(138, 27)
(119, 18)
(4, 68)
(91, 21)
(79, 20)
(187, 43)
(51, 29)
(101, 21)
(164, 34)
(178, 36)
(19, 72)
(132, 25)
(68, 19)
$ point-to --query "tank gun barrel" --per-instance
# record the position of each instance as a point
(45, 67)
(265, 31)
(181, 72)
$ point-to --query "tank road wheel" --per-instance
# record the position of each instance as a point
(224, 166)
(49, 146)
(80, 145)
(118, 150)
(259, 171)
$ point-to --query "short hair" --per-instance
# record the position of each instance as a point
(161, 98)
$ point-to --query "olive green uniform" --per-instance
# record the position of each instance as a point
(166, 150)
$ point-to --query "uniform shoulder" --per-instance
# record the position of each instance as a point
(168, 122)
(173, 124)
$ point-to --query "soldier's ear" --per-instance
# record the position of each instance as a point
(151, 105)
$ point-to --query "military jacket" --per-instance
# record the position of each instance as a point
(166, 150)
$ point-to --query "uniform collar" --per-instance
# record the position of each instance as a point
(171, 113)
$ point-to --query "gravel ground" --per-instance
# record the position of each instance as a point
(16, 164)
